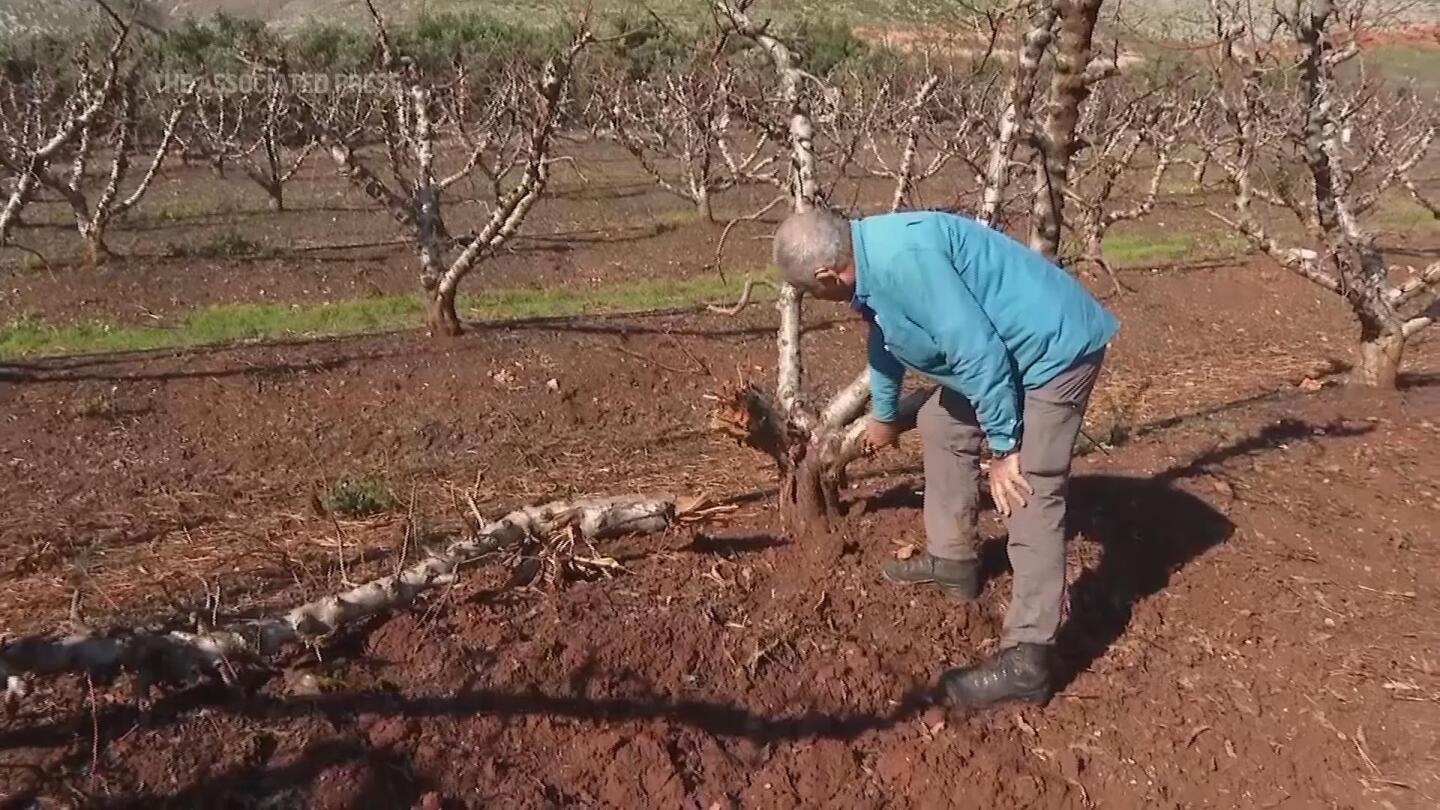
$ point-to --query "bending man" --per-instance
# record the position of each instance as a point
(1015, 344)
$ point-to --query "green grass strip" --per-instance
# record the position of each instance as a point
(234, 323)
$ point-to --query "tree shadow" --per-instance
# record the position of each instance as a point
(1418, 379)
(395, 784)
(388, 781)
(83, 367)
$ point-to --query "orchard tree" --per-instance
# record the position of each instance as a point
(1125, 126)
(673, 122)
(515, 131)
(812, 446)
(45, 116)
(1297, 138)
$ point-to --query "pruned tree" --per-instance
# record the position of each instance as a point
(673, 124)
(44, 118)
(413, 138)
(264, 133)
(1285, 148)
(1111, 183)
(116, 140)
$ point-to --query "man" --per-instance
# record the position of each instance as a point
(1015, 344)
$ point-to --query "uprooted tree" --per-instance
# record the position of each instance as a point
(182, 650)
(501, 139)
(1293, 137)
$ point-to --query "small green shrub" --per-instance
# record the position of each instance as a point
(825, 45)
(646, 46)
(331, 47)
(227, 244)
(358, 497)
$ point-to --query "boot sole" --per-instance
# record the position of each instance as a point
(1039, 698)
(960, 592)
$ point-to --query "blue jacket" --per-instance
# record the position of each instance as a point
(971, 308)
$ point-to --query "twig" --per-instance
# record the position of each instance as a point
(649, 361)
(725, 234)
(94, 728)
(744, 297)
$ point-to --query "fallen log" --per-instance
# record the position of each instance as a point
(172, 655)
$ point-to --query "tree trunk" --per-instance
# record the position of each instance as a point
(440, 316)
(703, 207)
(1069, 87)
(277, 197)
(96, 251)
(1379, 359)
(809, 500)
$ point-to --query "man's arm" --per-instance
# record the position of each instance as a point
(886, 373)
(980, 366)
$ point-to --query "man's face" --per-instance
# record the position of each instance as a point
(835, 283)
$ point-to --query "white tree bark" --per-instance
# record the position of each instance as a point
(181, 656)
(1016, 116)
(33, 163)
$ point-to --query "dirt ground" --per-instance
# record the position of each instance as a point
(1253, 606)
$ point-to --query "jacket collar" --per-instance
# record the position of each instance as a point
(857, 253)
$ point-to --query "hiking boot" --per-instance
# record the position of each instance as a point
(958, 578)
(1018, 674)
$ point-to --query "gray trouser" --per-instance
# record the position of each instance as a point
(951, 437)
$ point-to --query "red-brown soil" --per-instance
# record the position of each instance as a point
(1253, 608)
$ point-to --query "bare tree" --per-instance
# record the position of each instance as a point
(263, 133)
(43, 120)
(1011, 128)
(810, 447)
(96, 205)
(1269, 131)
(1125, 124)
(673, 124)
(414, 194)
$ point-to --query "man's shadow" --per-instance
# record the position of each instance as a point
(1147, 529)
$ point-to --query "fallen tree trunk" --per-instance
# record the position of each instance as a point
(173, 655)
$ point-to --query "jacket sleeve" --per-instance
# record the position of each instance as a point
(980, 366)
(886, 374)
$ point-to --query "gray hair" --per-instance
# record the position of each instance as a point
(807, 241)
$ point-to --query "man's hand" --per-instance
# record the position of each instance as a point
(880, 434)
(1008, 486)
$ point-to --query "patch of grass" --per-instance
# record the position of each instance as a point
(188, 207)
(232, 323)
(1408, 63)
(1123, 249)
(358, 497)
(675, 218)
(1398, 211)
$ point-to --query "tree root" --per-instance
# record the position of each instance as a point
(175, 656)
